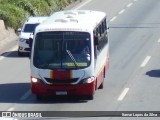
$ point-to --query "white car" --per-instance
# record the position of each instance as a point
(27, 32)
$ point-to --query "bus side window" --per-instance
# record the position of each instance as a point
(100, 30)
(105, 24)
(99, 43)
(95, 33)
(103, 29)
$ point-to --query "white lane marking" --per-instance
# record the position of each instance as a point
(83, 4)
(121, 11)
(11, 109)
(5, 55)
(135, 0)
(123, 94)
(159, 40)
(113, 18)
(145, 61)
(130, 4)
(26, 95)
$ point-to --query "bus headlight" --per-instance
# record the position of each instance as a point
(34, 80)
(89, 80)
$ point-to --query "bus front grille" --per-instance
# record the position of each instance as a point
(61, 81)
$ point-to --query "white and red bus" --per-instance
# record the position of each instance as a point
(70, 54)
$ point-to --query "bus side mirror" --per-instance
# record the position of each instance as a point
(30, 42)
(96, 42)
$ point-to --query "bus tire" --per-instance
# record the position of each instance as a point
(102, 85)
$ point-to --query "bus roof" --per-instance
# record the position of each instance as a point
(72, 20)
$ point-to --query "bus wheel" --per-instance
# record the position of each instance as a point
(102, 85)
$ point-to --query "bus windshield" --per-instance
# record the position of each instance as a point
(62, 50)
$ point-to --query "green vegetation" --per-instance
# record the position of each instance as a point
(15, 12)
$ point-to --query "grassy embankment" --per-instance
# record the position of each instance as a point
(15, 12)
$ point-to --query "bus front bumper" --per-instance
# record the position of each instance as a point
(78, 89)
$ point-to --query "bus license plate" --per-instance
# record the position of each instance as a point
(61, 92)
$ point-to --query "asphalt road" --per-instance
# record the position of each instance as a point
(132, 83)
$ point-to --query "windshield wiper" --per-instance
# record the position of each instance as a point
(72, 58)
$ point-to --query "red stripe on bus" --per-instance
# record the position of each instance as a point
(56, 74)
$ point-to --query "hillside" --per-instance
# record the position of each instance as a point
(15, 12)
